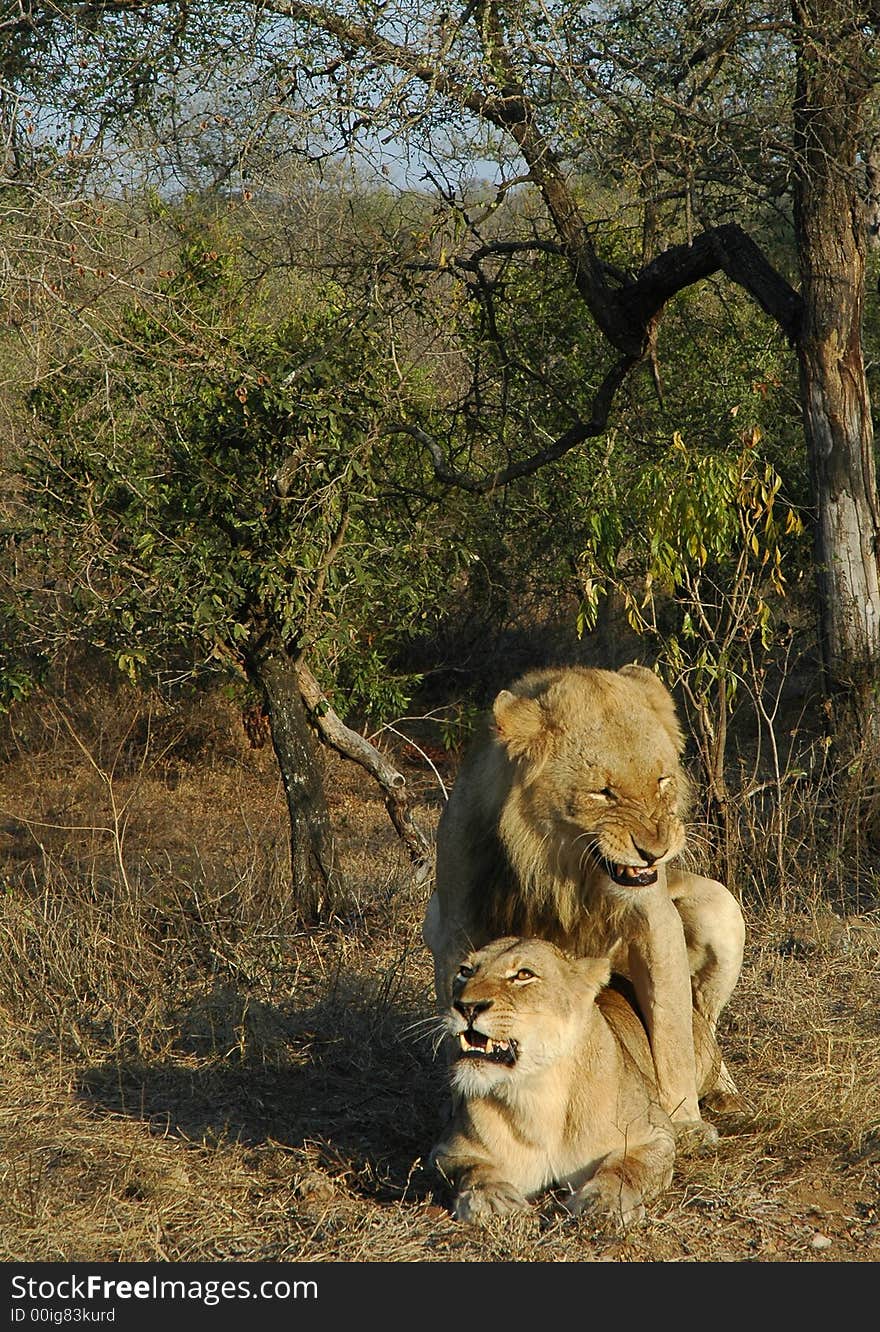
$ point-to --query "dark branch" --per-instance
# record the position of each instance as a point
(575, 435)
(726, 248)
(510, 247)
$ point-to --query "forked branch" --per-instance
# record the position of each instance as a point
(351, 745)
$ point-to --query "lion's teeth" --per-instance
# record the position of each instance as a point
(462, 1040)
(490, 1045)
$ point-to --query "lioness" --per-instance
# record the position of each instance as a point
(561, 824)
(554, 1085)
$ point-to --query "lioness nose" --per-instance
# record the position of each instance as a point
(470, 1012)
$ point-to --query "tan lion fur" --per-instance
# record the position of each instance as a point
(576, 773)
(579, 1108)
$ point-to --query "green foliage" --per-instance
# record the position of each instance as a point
(19, 673)
(223, 486)
(685, 514)
(627, 509)
(703, 538)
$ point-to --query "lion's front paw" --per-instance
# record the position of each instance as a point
(482, 1201)
(695, 1136)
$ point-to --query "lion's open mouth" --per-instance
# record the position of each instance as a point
(630, 876)
(475, 1045)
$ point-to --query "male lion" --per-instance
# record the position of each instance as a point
(561, 823)
(554, 1085)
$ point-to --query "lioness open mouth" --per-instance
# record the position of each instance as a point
(475, 1045)
(630, 876)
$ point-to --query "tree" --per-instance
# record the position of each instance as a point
(684, 109)
(836, 74)
(699, 93)
(220, 492)
(639, 150)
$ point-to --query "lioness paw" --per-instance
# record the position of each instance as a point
(695, 1136)
(609, 1200)
(479, 1203)
(729, 1105)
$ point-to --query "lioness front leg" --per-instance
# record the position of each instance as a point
(625, 1181)
(479, 1190)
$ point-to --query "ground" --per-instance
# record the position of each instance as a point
(189, 1076)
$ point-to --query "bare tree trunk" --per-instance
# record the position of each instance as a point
(351, 745)
(314, 879)
(836, 409)
(301, 720)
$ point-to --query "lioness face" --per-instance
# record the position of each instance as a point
(517, 1006)
(598, 774)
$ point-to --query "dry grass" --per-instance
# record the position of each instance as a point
(187, 1076)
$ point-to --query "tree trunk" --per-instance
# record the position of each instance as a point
(836, 410)
(314, 880)
(351, 745)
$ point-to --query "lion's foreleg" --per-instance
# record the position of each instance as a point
(714, 931)
(448, 941)
(658, 964)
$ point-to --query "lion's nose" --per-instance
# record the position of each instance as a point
(470, 1012)
(646, 856)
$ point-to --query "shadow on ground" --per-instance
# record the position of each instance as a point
(354, 1086)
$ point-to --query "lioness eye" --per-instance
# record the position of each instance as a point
(607, 793)
(524, 974)
(465, 971)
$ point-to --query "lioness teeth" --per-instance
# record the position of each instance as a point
(476, 1043)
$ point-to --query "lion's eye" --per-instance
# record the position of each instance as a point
(465, 972)
(606, 793)
(524, 974)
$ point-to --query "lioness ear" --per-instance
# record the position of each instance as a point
(520, 725)
(659, 700)
(596, 971)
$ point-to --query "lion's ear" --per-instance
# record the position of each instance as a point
(520, 725)
(659, 700)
